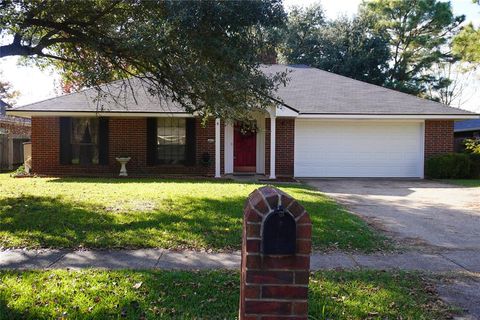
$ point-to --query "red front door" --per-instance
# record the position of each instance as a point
(244, 150)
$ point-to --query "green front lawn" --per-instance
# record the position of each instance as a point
(91, 294)
(465, 182)
(134, 213)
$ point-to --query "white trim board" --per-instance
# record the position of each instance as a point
(387, 117)
(29, 114)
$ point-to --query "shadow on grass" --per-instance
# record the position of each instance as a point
(112, 294)
(53, 222)
(93, 294)
(8, 313)
(186, 223)
(123, 180)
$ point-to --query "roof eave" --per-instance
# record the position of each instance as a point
(48, 113)
(467, 129)
(388, 116)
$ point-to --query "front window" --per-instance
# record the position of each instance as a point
(171, 140)
(84, 141)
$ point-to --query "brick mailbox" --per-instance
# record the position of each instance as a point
(275, 264)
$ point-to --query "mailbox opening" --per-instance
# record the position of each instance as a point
(279, 233)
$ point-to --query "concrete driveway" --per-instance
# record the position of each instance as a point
(417, 212)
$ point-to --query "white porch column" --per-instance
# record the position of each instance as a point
(272, 144)
(217, 148)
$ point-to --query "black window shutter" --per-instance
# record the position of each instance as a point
(151, 141)
(191, 143)
(103, 141)
(65, 145)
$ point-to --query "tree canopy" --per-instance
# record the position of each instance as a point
(7, 93)
(202, 54)
(418, 32)
(344, 46)
(400, 44)
(467, 44)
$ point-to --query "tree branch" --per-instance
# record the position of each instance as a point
(15, 49)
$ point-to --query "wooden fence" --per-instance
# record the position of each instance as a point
(15, 147)
(4, 161)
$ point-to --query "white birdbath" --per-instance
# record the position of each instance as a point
(123, 162)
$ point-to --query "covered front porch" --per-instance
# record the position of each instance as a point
(267, 150)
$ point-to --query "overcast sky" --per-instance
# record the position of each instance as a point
(35, 85)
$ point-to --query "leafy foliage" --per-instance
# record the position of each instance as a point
(475, 164)
(472, 145)
(394, 43)
(448, 166)
(418, 33)
(7, 93)
(302, 34)
(472, 150)
(467, 44)
(343, 46)
(202, 54)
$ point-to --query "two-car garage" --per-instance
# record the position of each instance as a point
(353, 148)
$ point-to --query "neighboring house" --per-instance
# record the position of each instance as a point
(329, 126)
(466, 129)
(3, 107)
(14, 132)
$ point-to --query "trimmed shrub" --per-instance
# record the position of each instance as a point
(474, 165)
(448, 166)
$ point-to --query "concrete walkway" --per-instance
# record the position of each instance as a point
(468, 261)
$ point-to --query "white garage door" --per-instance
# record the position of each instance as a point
(358, 149)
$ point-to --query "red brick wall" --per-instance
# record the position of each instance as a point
(284, 151)
(127, 136)
(45, 144)
(438, 137)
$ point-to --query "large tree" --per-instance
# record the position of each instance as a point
(467, 44)
(418, 32)
(202, 54)
(301, 35)
(448, 83)
(7, 93)
(344, 46)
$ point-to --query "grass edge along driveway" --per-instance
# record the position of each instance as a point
(155, 213)
(472, 183)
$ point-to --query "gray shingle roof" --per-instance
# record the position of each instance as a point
(118, 99)
(309, 91)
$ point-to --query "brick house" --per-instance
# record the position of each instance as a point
(327, 126)
(465, 129)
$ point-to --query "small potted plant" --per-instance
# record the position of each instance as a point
(206, 160)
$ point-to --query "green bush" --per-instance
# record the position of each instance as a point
(474, 165)
(448, 166)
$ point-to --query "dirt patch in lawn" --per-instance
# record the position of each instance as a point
(138, 206)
